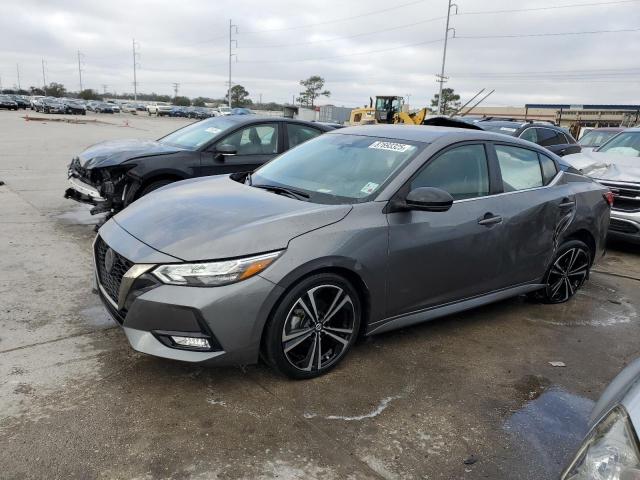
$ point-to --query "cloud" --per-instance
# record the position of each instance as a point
(359, 54)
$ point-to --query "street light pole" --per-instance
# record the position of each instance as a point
(231, 42)
(441, 77)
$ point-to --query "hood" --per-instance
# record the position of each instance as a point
(115, 152)
(215, 217)
(606, 166)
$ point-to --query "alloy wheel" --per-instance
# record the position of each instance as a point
(567, 274)
(318, 328)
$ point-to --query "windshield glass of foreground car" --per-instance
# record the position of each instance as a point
(197, 134)
(338, 168)
(625, 143)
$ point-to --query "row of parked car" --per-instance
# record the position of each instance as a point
(13, 102)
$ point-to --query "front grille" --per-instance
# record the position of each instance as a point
(110, 280)
(621, 226)
(626, 197)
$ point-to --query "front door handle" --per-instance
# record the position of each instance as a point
(489, 219)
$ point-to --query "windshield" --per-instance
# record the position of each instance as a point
(198, 134)
(338, 168)
(595, 138)
(625, 143)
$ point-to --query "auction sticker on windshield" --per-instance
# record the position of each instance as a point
(394, 147)
(213, 130)
(370, 187)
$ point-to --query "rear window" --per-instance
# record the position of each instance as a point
(549, 170)
(520, 168)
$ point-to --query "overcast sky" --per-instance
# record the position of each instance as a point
(361, 48)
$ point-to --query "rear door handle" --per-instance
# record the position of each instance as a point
(567, 202)
(489, 219)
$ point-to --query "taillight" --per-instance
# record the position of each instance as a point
(609, 197)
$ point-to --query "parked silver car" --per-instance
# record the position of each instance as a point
(359, 231)
(616, 165)
(611, 450)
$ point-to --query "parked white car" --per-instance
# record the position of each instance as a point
(224, 110)
(159, 108)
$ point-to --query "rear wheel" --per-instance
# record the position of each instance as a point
(568, 272)
(314, 327)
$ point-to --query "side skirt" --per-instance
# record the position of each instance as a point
(448, 309)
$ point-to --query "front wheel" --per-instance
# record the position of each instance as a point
(568, 272)
(314, 327)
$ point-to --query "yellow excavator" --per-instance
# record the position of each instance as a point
(388, 109)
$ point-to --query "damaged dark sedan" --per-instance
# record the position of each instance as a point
(110, 175)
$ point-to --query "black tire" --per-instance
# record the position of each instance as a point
(154, 186)
(568, 272)
(335, 320)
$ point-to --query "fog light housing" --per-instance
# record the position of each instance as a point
(198, 343)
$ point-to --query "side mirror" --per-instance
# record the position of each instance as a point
(429, 199)
(226, 149)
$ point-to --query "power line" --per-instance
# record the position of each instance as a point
(344, 19)
(551, 7)
(550, 34)
(345, 55)
(374, 32)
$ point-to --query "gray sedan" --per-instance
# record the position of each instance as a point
(357, 232)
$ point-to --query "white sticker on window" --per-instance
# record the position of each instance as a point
(213, 130)
(394, 147)
(324, 190)
(370, 187)
(507, 129)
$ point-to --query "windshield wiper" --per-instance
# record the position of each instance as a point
(285, 190)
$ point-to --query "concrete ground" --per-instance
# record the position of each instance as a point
(77, 402)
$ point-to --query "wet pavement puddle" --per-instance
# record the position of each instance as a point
(550, 426)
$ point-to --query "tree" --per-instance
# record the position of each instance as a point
(88, 94)
(36, 91)
(198, 102)
(55, 90)
(313, 89)
(182, 101)
(239, 96)
(450, 101)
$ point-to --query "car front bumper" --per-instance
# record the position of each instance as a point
(625, 225)
(83, 192)
(231, 317)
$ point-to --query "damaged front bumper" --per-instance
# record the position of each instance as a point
(103, 198)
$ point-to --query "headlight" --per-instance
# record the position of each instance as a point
(610, 452)
(213, 274)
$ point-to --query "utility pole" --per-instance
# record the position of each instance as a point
(135, 65)
(231, 42)
(80, 68)
(441, 77)
(18, 70)
(44, 80)
(260, 99)
(104, 89)
(175, 89)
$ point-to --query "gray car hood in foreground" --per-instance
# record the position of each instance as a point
(606, 166)
(215, 217)
(115, 152)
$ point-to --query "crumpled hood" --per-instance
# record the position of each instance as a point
(215, 217)
(115, 152)
(606, 166)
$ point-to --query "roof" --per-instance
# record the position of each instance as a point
(583, 107)
(415, 133)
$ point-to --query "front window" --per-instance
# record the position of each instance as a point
(254, 140)
(461, 171)
(595, 138)
(626, 143)
(338, 168)
(197, 134)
